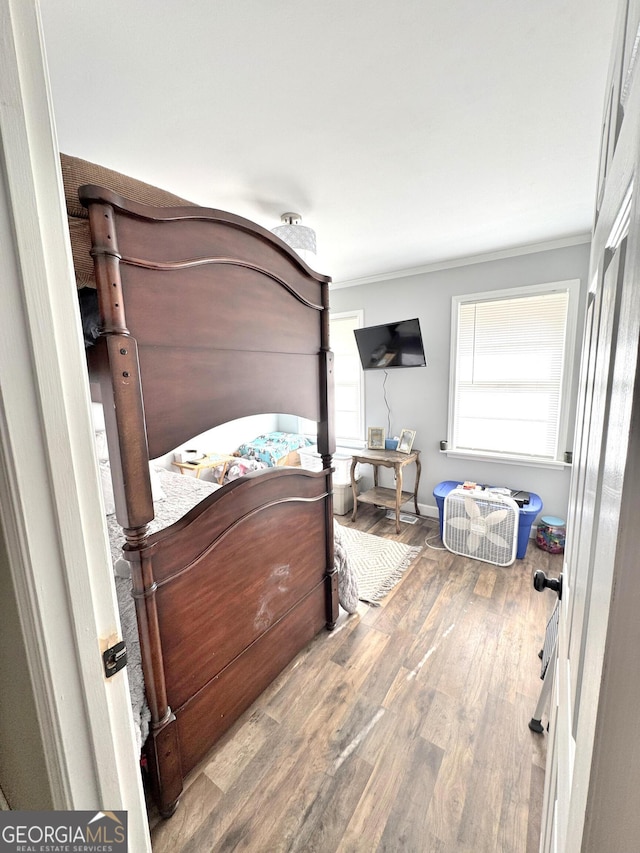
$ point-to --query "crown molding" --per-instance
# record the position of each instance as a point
(549, 245)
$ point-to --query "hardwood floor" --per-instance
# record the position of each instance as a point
(403, 730)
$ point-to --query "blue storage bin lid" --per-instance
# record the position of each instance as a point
(532, 508)
(552, 521)
(443, 489)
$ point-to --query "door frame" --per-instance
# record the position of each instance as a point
(599, 809)
(52, 512)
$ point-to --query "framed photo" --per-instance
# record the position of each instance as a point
(405, 442)
(375, 438)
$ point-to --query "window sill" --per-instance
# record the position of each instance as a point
(350, 444)
(502, 459)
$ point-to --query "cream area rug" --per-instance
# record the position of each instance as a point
(377, 563)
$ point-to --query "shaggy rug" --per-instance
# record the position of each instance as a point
(377, 563)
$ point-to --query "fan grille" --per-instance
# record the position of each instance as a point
(482, 525)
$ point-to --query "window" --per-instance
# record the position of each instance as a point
(349, 404)
(511, 363)
(347, 375)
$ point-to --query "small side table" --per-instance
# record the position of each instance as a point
(391, 498)
(210, 460)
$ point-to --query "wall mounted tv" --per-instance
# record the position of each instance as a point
(391, 345)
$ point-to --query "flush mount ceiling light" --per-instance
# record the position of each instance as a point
(299, 237)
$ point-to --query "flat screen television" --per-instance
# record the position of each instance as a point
(391, 345)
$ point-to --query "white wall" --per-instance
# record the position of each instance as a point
(418, 398)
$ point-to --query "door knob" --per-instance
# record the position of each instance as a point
(541, 582)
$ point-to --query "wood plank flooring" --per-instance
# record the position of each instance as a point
(403, 730)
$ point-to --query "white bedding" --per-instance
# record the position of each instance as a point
(179, 493)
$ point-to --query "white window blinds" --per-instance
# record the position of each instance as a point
(348, 375)
(510, 355)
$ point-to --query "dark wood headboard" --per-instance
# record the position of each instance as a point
(207, 317)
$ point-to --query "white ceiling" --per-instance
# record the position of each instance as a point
(406, 132)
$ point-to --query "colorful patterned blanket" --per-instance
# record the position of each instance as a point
(272, 446)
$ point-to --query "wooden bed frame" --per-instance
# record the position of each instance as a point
(208, 317)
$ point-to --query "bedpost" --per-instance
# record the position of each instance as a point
(326, 448)
(326, 426)
(116, 364)
(162, 748)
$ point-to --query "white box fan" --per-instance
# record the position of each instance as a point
(482, 524)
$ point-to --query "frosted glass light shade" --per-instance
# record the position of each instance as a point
(299, 237)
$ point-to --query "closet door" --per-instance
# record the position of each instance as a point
(593, 759)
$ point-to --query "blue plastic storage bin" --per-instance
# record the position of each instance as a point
(527, 513)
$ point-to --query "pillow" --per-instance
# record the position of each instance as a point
(99, 432)
(102, 452)
(107, 488)
(241, 467)
(102, 449)
(122, 568)
(97, 416)
(157, 492)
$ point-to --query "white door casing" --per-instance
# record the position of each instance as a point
(593, 760)
(52, 512)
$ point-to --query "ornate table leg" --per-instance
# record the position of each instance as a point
(415, 494)
(354, 489)
(398, 469)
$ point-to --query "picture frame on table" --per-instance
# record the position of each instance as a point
(405, 442)
(375, 438)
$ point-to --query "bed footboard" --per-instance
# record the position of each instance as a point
(226, 598)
